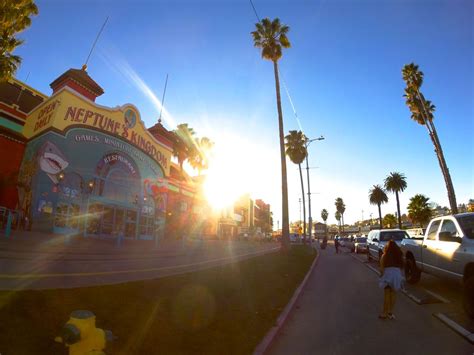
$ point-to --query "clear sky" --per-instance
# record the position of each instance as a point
(343, 74)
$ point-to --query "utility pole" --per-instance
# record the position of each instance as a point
(310, 219)
(299, 200)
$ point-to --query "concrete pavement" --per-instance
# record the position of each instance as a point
(41, 262)
(337, 314)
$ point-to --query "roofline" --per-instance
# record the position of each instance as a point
(21, 83)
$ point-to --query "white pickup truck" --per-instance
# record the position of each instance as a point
(446, 250)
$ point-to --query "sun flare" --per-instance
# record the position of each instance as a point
(231, 171)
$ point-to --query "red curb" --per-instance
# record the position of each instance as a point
(272, 333)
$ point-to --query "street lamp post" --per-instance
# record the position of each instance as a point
(310, 220)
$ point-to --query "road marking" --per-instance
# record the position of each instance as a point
(100, 273)
(411, 296)
(435, 295)
(455, 326)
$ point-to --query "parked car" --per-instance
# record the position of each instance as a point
(349, 243)
(343, 241)
(360, 245)
(378, 239)
(447, 251)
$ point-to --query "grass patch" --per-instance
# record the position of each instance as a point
(226, 309)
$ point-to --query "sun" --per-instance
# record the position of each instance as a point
(229, 173)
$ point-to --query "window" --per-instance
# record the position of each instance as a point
(449, 226)
(467, 224)
(393, 235)
(432, 231)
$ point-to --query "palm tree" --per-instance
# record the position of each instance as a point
(396, 182)
(419, 210)
(201, 155)
(338, 218)
(341, 208)
(377, 196)
(14, 18)
(389, 220)
(184, 146)
(271, 37)
(324, 215)
(296, 150)
(422, 112)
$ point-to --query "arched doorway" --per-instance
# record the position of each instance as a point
(116, 198)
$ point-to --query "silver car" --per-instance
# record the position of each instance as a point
(378, 239)
(360, 245)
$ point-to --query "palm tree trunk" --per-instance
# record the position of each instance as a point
(398, 211)
(380, 216)
(439, 153)
(342, 217)
(445, 170)
(304, 203)
(284, 182)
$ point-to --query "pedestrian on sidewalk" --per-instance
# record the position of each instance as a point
(336, 245)
(391, 279)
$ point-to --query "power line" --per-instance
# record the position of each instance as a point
(255, 11)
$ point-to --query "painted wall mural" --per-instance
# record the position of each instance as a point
(87, 172)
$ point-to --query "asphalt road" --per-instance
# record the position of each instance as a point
(338, 314)
(57, 268)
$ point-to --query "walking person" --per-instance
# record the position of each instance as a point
(391, 279)
(336, 245)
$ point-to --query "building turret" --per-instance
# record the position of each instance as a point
(79, 81)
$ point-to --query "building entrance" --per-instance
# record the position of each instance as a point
(111, 221)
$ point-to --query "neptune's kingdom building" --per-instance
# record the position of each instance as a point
(92, 170)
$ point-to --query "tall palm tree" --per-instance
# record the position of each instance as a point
(338, 218)
(377, 196)
(396, 182)
(422, 112)
(419, 210)
(341, 208)
(296, 150)
(271, 37)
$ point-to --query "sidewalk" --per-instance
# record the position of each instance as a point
(337, 314)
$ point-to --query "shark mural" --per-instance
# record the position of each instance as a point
(51, 160)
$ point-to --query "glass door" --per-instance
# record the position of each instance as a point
(66, 217)
(119, 222)
(107, 227)
(130, 224)
(94, 213)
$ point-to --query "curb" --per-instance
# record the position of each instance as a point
(455, 326)
(271, 334)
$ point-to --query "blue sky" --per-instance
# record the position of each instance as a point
(343, 74)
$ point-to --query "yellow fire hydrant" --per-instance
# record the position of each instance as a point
(81, 335)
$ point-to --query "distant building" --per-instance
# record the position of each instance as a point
(320, 230)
